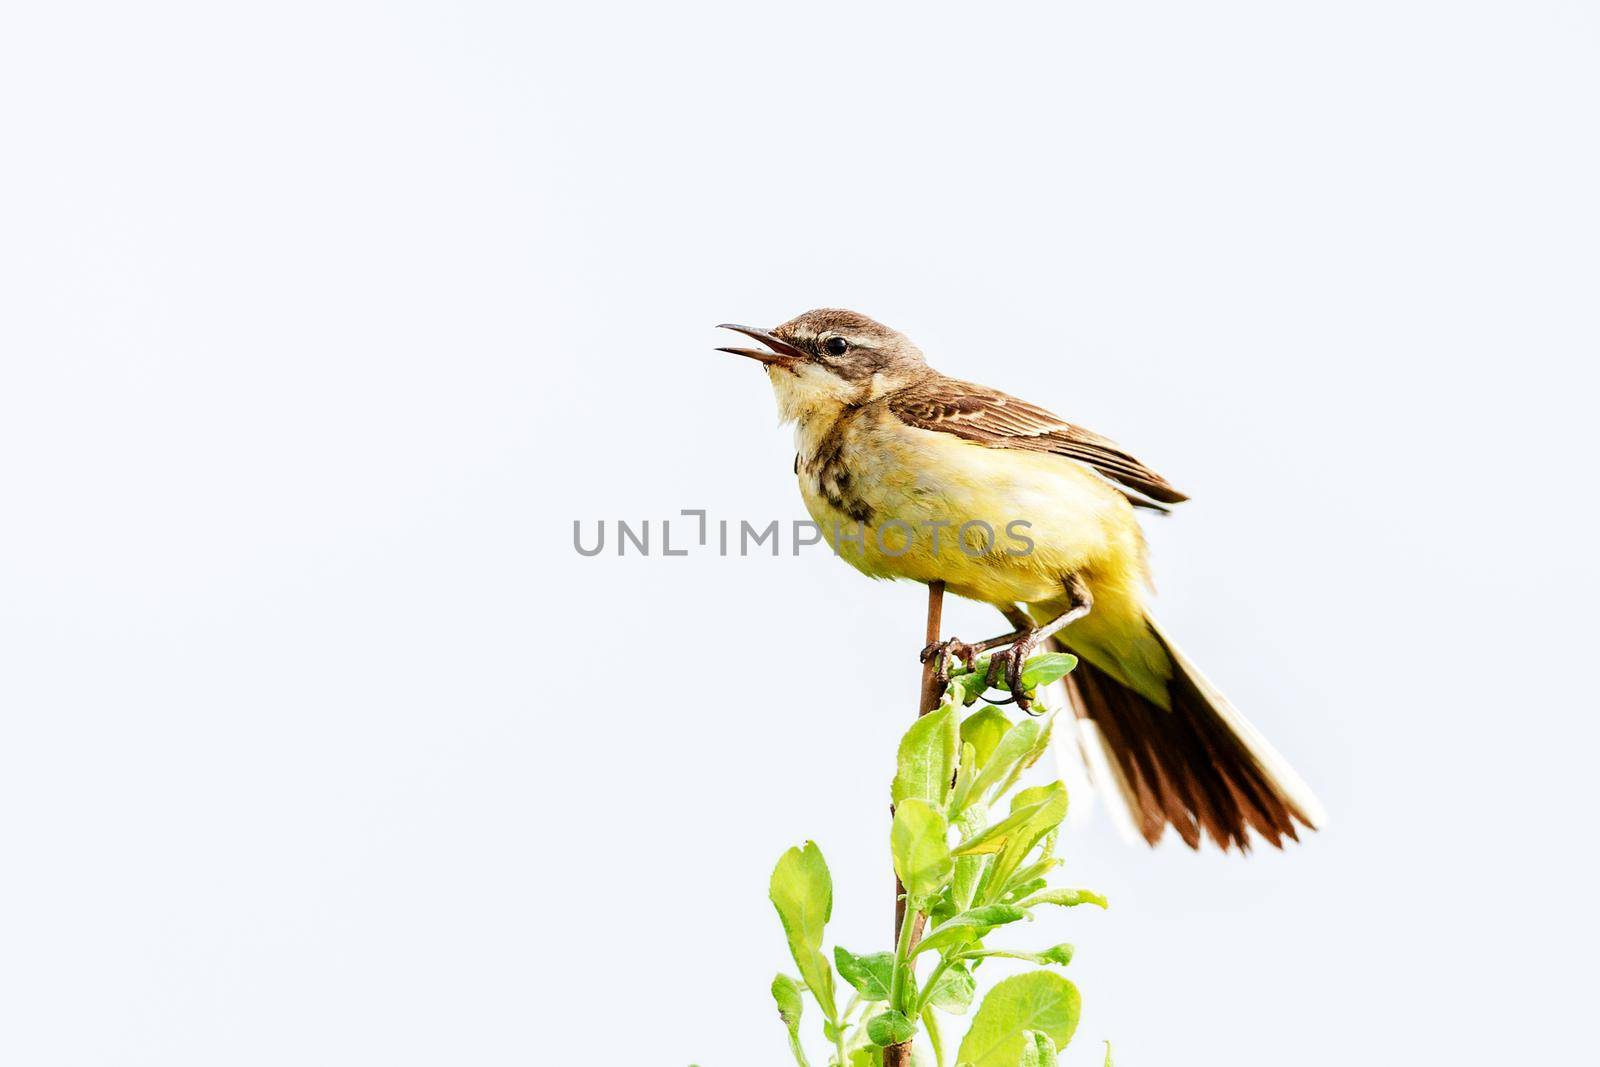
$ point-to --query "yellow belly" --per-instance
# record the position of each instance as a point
(1009, 524)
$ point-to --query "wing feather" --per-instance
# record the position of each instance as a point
(996, 420)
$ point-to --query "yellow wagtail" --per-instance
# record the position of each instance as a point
(911, 474)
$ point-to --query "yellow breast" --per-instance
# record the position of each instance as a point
(998, 525)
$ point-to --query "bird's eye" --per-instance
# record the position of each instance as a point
(836, 346)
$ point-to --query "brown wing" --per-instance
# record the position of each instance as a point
(991, 418)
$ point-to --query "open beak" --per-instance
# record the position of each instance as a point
(783, 353)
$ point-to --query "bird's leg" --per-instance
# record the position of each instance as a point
(1023, 622)
(1011, 659)
(955, 648)
(946, 650)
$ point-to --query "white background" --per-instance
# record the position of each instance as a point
(321, 323)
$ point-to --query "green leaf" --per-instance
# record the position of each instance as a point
(926, 764)
(786, 992)
(1041, 744)
(994, 838)
(1015, 746)
(1020, 888)
(1046, 668)
(889, 1028)
(1053, 797)
(1038, 1000)
(1060, 955)
(983, 731)
(921, 852)
(967, 686)
(1046, 806)
(971, 925)
(992, 915)
(966, 774)
(870, 975)
(1047, 727)
(802, 891)
(953, 990)
(1035, 870)
(1067, 898)
(1048, 849)
(1037, 1050)
(949, 935)
(964, 885)
(930, 1026)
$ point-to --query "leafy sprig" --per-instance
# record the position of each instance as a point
(974, 853)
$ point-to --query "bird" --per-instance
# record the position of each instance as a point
(911, 474)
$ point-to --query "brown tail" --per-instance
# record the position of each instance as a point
(1198, 766)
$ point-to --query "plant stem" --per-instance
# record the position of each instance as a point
(903, 969)
(908, 927)
(927, 988)
(930, 669)
(904, 973)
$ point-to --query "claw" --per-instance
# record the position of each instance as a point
(945, 651)
(952, 647)
(1003, 668)
(1011, 659)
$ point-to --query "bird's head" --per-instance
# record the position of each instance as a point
(826, 360)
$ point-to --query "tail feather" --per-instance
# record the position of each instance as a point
(1199, 766)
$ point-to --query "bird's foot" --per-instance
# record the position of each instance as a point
(943, 652)
(1005, 669)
